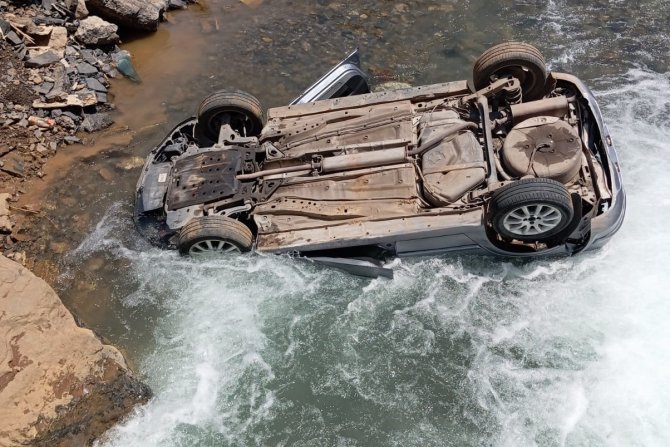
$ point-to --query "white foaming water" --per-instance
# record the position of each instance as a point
(567, 352)
(255, 350)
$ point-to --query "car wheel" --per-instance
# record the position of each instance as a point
(214, 234)
(531, 210)
(242, 111)
(517, 59)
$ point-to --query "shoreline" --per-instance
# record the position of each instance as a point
(56, 68)
(55, 103)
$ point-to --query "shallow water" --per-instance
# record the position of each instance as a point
(456, 350)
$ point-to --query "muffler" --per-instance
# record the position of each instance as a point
(557, 107)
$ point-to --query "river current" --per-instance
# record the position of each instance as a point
(455, 350)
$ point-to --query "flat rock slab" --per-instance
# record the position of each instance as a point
(96, 85)
(13, 164)
(13, 38)
(86, 69)
(46, 58)
(59, 385)
(82, 99)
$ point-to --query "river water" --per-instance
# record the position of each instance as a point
(456, 350)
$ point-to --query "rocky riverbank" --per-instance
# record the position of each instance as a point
(56, 61)
(59, 384)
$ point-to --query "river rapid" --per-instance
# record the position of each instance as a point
(455, 350)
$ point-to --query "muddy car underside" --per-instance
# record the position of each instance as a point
(518, 166)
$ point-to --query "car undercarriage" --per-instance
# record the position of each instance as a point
(518, 163)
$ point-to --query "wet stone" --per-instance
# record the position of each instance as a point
(96, 121)
(101, 97)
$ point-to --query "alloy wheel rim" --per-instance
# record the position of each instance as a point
(532, 220)
(211, 246)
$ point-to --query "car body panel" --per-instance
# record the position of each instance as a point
(344, 79)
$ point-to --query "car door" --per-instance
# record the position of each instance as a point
(345, 79)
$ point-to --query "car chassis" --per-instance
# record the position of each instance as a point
(518, 163)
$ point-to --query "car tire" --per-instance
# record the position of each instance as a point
(518, 59)
(214, 234)
(531, 210)
(241, 110)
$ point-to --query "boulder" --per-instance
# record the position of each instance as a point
(59, 384)
(96, 122)
(132, 14)
(96, 31)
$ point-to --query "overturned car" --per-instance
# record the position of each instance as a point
(517, 163)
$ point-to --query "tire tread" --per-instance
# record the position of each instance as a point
(527, 192)
(226, 228)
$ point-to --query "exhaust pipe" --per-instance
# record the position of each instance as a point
(339, 163)
(557, 106)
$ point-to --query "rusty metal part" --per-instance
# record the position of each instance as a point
(259, 174)
(543, 147)
(557, 106)
(382, 182)
(327, 132)
(510, 85)
(363, 160)
(378, 193)
(204, 177)
(416, 95)
(452, 168)
(435, 140)
(488, 139)
(345, 162)
(375, 145)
